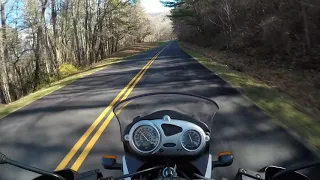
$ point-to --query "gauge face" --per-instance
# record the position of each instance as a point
(191, 140)
(146, 138)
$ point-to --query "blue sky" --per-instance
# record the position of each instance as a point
(149, 5)
(12, 12)
(153, 6)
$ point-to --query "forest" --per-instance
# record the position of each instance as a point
(41, 39)
(276, 41)
(279, 26)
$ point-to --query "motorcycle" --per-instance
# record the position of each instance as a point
(166, 136)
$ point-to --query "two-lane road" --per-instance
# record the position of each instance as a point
(66, 128)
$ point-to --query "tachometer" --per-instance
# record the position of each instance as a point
(146, 138)
(191, 140)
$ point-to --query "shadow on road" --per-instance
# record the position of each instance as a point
(44, 131)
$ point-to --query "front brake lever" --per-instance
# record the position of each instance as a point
(5, 160)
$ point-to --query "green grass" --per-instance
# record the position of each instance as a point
(278, 105)
(160, 43)
(131, 51)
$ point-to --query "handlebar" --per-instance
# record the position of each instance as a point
(271, 172)
(134, 174)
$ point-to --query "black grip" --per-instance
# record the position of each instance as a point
(3, 159)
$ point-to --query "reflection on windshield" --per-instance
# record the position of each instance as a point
(180, 105)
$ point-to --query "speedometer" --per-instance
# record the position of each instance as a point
(146, 138)
(191, 140)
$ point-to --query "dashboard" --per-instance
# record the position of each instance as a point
(166, 136)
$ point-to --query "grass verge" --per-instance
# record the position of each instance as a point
(278, 105)
(114, 58)
(160, 43)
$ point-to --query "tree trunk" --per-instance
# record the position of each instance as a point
(22, 87)
(87, 33)
(36, 78)
(56, 52)
(2, 100)
(4, 57)
(116, 46)
(76, 35)
(306, 25)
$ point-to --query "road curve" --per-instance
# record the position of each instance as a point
(42, 133)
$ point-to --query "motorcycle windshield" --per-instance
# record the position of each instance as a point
(179, 106)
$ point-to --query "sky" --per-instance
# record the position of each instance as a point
(153, 6)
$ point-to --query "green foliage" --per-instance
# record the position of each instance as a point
(44, 80)
(67, 69)
(180, 13)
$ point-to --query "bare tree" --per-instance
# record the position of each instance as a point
(5, 91)
(53, 33)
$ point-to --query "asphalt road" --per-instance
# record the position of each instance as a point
(42, 133)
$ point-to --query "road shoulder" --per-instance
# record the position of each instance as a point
(115, 58)
(280, 107)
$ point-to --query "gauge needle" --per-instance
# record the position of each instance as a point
(145, 137)
(190, 137)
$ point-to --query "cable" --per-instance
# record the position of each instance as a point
(35, 170)
(184, 175)
(5, 160)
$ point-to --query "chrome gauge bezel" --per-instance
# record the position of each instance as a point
(160, 149)
(133, 129)
(201, 140)
(152, 129)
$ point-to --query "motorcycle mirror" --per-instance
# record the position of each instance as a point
(224, 159)
(110, 162)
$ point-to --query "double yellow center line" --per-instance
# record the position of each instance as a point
(126, 91)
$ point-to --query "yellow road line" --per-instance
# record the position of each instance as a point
(84, 137)
(96, 136)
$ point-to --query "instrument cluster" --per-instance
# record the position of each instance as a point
(166, 137)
